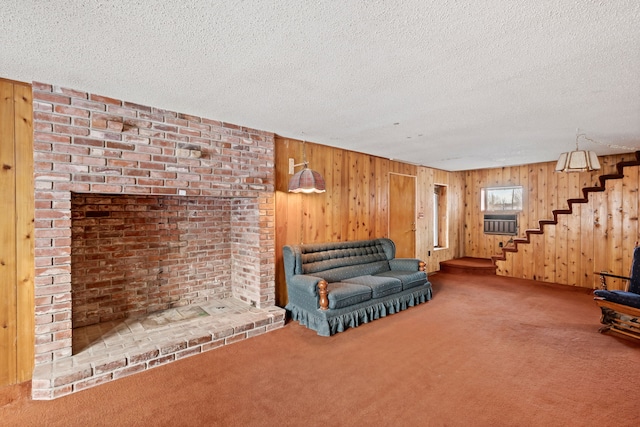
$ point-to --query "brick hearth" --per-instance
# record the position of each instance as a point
(200, 193)
(111, 350)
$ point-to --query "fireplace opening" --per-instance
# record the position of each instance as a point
(132, 256)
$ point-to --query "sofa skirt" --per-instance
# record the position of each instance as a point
(329, 322)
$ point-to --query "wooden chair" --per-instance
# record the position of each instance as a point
(621, 309)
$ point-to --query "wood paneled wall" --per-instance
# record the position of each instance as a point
(599, 235)
(16, 233)
(355, 205)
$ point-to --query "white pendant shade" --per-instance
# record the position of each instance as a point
(578, 161)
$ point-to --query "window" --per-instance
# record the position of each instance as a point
(499, 199)
(440, 216)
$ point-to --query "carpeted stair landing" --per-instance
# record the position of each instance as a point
(468, 265)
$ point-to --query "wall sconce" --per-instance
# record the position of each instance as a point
(306, 180)
(578, 160)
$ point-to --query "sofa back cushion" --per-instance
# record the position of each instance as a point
(342, 260)
(349, 271)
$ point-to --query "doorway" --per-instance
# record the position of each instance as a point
(402, 214)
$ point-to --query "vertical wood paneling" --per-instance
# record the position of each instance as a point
(381, 212)
(456, 216)
(523, 179)
(16, 233)
(542, 209)
(600, 211)
(586, 278)
(327, 199)
(366, 223)
(356, 203)
(599, 235)
(25, 215)
(8, 291)
(424, 234)
(339, 195)
(573, 235)
(281, 229)
(552, 202)
(614, 226)
(352, 184)
(561, 250)
(629, 216)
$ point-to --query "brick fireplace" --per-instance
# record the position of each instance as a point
(140, 210)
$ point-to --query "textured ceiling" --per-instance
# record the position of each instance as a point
(449, 84)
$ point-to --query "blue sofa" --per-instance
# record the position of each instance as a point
(340, 285)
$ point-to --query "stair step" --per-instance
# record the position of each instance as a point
(468, 265)
(573, 201)
(588, 190)
(547, 222)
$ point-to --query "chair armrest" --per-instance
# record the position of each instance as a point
(406, 264)
(604, 275)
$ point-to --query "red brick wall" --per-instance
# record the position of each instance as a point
(91, 144)
(133, 255)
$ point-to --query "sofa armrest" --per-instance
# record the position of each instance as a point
(312, 286)
(305, 284)
(406, 264)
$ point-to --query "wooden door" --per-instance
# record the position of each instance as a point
(402, 214)
(16, 233)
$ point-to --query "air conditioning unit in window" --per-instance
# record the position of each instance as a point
(501, 224)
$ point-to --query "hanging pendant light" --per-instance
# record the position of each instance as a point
(307, 181)
(578, 160)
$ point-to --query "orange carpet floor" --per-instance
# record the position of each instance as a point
(486, 351)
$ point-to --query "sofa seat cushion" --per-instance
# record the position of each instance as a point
(343, 294)
(619, 297)
(380, 286)
(409, 279)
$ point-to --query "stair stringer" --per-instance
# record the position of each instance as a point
(570, 202)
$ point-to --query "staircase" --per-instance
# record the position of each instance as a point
(585, 192)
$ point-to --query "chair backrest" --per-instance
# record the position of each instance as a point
(634, 281)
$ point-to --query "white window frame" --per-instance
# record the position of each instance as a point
(512, 198)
